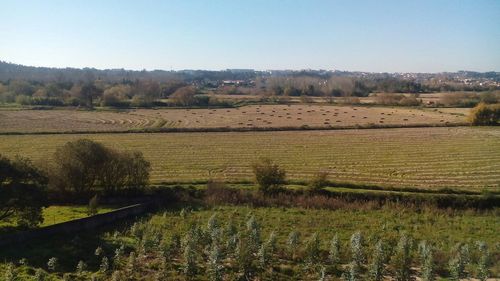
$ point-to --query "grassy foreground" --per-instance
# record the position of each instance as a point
(57, 214)
(466, 158)
(157, 254)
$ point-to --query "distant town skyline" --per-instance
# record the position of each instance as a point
(369, 36)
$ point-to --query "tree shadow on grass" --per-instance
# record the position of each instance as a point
(68, 249)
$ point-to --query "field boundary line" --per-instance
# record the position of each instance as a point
(240, 129)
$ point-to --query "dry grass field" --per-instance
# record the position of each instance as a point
(63, 120)
(427, 98)
(466, 158)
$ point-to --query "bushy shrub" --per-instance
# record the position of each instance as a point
(387, 98)
(104, 266)
(22, 192)
(353, 272)
(81, 267)
(215, 266)
(293, 243)
(140, 101)
(184, 96)
(110, 99)
(376, 267)
(244, 254)
(52, 264)
(84, 165)
(264, 256)
(272, 241)
(484, 114)
(7, 97)
(349, 100)
(426, 261)
(397, 99)
(117, 258)
(10, 273)
(23, 100)
(322, 274)
(357, 251)
(411, 100)
(201, 100)
(40, 275)
(189, 266)
(268, 175)
(312, 249)
(334, 251)
(253, 230)
(319, 181)
(93, 205)
(401, 261)
(46, 101)
(483, 262)
(459, 99)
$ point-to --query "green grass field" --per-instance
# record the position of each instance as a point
(442, 229)
(58, 214)
(466, 158)
(462, 158)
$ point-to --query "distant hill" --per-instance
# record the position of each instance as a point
(10, 71)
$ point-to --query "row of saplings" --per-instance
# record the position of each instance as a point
(78, 169)
(226, 252)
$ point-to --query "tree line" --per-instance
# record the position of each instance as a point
(138, 93)
(148, 92)
(346, 86)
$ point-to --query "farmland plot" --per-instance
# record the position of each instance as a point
(260, 116)
(466, 158)
(298, 244)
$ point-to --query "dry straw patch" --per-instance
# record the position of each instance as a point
(261, 116)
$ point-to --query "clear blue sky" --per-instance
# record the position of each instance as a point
(376, 35)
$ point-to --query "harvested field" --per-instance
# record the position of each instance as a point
(466, 158)
(263, 116)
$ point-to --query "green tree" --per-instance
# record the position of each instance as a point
(184, 96)
(22, 191)
(20, 87)
(124, 170)
(484, 114)
(268, 175)
(88, 92)
(312, 250)
(319, 181)
(116, 95)
(376, 267)
(427, 265)
(401, 260)
(484, 261)
(93, 205)
(84, 165)
(77, 165)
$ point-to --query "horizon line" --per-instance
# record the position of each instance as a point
(237, 68)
